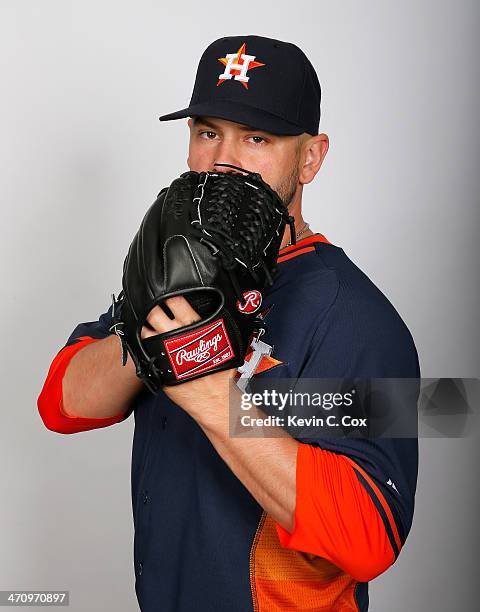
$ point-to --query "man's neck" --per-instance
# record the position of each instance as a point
(295, 210)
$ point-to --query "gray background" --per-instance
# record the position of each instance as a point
(82, 155)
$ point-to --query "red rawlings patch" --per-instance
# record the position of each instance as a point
(252, 302)
(200, 350)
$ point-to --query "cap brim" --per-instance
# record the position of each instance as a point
(239, 113)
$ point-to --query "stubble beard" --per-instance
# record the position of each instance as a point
(288, 187)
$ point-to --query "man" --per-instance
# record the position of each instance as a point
(235, 523)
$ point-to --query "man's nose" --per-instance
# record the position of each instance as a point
(226, 153)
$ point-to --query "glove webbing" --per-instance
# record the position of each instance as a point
(249, 224)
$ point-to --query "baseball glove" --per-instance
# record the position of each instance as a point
(214, 238)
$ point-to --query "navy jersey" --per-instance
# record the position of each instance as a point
(202, 542)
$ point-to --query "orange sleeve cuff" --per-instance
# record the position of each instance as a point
(336, 517)
(50, 399)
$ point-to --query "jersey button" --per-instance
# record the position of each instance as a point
(145, 497)
(140, 568)
(164, 422)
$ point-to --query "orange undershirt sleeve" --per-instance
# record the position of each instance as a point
(336, 516)
(50, 399)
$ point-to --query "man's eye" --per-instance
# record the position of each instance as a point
(208, 135)
(257, 139)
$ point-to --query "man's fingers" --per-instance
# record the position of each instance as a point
(157, 318)
(160, 322)
(182, 311)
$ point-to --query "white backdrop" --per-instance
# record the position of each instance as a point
(83, 154)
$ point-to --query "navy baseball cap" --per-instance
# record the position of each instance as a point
(264, 83)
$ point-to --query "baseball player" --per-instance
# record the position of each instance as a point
(245, 523)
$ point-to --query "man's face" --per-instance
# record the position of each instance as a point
(276, 158)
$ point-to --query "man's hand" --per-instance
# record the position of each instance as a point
(201, 396)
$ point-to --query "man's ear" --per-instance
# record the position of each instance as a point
(190, 123)
(314, 150)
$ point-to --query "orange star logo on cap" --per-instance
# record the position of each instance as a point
(237, 65)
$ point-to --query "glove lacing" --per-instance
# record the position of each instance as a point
(250, 226)
(147, 370)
